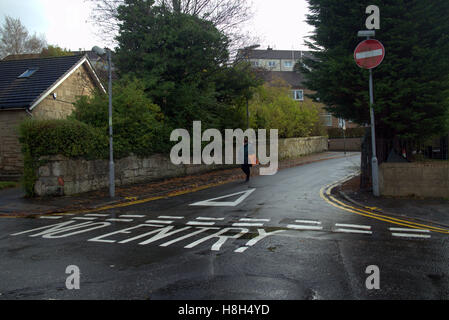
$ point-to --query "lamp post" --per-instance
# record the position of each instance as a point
(246, 55)
(102, 52)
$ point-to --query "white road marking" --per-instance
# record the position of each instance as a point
(199, 223)
(308, 221)
(159, 221)
(96, 215)
(51, 217)
(255, 220)
(202, 229)
(214, 203)
(299, 227)
(132, 216)
(353, 231)
(369, 54)
(84, 218)
(119, 220)
(170, 217)
(410, 230)
(241, 249)
(247, 224)
(221, 238)
(353, 226)
(210, 219)
(408, 235)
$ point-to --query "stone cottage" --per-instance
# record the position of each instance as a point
(43, 88)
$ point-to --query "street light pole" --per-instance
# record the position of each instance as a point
(102, 52)
(111, 142)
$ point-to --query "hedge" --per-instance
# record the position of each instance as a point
(70, 138)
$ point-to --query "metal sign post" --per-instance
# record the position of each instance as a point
(368, 55)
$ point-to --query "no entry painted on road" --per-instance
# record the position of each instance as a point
(369, 54)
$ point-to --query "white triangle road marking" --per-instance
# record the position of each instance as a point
(214, 203)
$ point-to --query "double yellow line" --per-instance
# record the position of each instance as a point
(326, 195)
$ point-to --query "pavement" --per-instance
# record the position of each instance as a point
(13, 202)
(429, 211)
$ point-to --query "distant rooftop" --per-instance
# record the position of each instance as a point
(276, 54)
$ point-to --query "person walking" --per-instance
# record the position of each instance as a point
(246, 165)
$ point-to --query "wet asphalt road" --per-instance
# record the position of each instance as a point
(169, 249)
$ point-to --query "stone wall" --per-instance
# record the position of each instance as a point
(11, 159)
(296, 147)
(351, 144)
(63, 176)
(421, 179)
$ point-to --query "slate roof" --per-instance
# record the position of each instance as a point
(293, 79)
(272, 54)
(20, 93)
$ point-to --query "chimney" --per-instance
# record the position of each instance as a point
(269, 48)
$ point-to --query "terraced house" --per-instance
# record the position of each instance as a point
(43, 88)
(280, 64)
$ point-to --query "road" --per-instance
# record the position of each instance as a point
(274, 238)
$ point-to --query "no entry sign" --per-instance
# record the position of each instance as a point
(369, 54)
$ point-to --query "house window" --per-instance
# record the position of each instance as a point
(255, 63)
(272, 64)
(327, 119)
(298, 95)
(28, 73)
(288, 64)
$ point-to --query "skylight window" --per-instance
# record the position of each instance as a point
(28, 73)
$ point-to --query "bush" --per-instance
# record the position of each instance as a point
(336, 133)
(272, 107)
(70, 138)
(138, 124)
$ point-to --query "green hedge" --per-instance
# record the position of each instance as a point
(335, 133)
(70, 138)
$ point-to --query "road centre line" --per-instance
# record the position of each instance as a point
(132, 216)
(84, 218)
(119, 220)
(210, 219)
(159, 221)
(96, 215)
(255, 220)
(199, 223)
(352, 231)
(409, 230)
(409, 235)
(170, 217)
(353, 226)
(238, 224)
(299, 227)
(308, 221)
(51, 217)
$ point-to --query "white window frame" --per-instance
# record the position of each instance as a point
(295, 96)
(272, 64)
(288, 64)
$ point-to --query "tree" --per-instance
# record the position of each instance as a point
(411, 86)
(182, 59)
(226, 15)
(55, 51)
(15, 39)
(272, 107)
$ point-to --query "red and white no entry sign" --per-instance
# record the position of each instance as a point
(369, 54)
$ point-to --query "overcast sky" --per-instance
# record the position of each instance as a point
(278, 23)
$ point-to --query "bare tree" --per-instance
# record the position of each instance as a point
(227, 15)
(14, 39)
